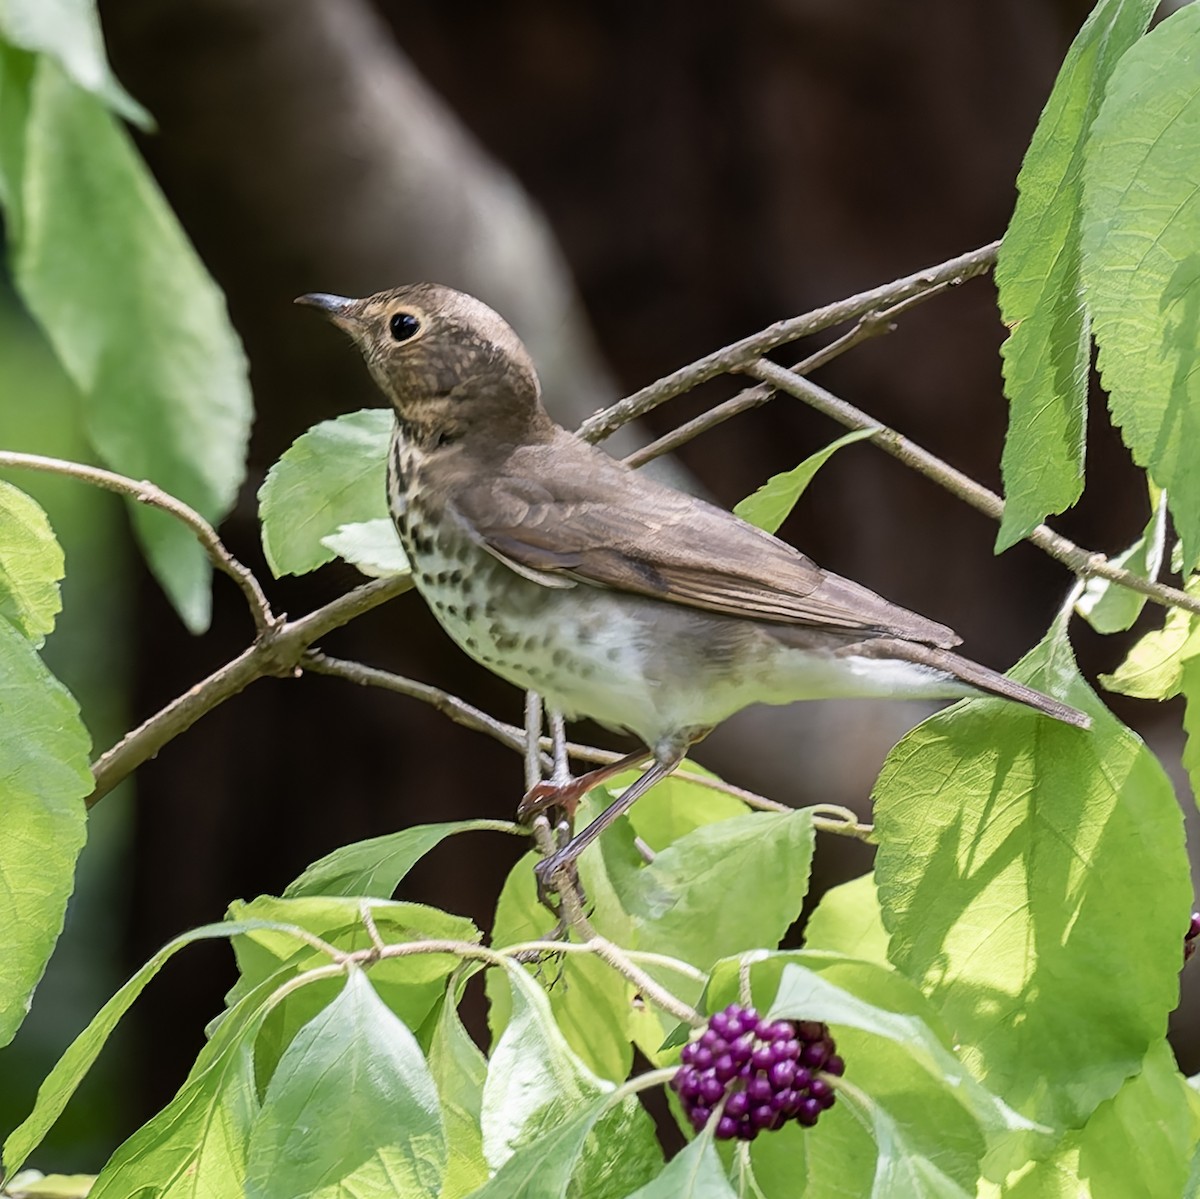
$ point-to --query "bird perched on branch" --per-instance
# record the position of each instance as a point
(615, 597)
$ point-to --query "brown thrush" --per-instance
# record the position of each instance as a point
(612, 595)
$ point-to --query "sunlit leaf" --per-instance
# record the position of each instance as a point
(1140, 268)
(31, 565)
(1048, 351)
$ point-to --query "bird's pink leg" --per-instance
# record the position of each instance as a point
(547, 794)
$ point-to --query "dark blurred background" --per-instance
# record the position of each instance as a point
(633, 186)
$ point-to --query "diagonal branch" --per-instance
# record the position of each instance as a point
(279, 651)
(739, 353)
(1084, 563)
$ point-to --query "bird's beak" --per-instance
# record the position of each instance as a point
(339, 309)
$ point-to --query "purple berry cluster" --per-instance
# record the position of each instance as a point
(767, 1071)
(1189, 938)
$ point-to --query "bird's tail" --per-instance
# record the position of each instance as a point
(974, 675)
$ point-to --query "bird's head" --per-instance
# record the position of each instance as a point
(448, 364)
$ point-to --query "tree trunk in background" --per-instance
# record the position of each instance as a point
(706, 171)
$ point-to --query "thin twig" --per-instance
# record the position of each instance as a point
(470, 717)
(873, 324)
(147, 493)
(734, 356)
(616, 957)
(278, 651)
(1084, 563)
(457, 710)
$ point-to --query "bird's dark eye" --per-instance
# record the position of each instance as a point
(404, 325)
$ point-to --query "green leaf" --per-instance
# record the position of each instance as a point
(68, 1072)
(695, 1172)
(681, 901)
(333, 475)
(140, 326)
(1047, 354)
(411, 985)
(676, 806)
(1191, 723)
(351, 1110)
(806, 995)
(31, 565)
(371, 545)
(539, 1099)
(376, 866)
(1137, 1143)
(44, 778)
(773, 502)
(834, 1160)
(902, 1171)
(195, 1148)
(1153, 669)
(535, 1080)
(1018, 859)
(458, 1070)
(907, 1071)
(32, 1184)
(69, 31)
(591, 1003)
(1141, 271)
(848, 920)
(1110, 608)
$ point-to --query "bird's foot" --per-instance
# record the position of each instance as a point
(554, 874)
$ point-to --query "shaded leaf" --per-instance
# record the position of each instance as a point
(695, 1172)
(540, 1102)
(1047, 354)
(458, 1070)
(681, 901)
(590, 1002)
(333, 475)
(351, 1110)
(376, 866)
(773, 502)
(902, 1171)
(68, 1072)
(69, 31)
(806, 995)
(137, 321)
(1137, 1143)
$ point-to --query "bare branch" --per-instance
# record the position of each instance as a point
(147, 493)
(277, 651)
(874, 324)
(1084, 563)
(733, 357)
(456, 709)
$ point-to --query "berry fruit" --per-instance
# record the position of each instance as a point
(1189, 938)
(767, 1071)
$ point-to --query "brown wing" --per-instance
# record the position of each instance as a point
(541, 511)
